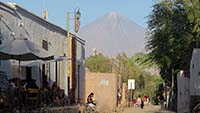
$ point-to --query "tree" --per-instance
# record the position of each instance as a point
(126, 67)
(99, 63)
(174, 30)
(170, 37)
(192, 8)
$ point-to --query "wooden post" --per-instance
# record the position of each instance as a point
(72, 62)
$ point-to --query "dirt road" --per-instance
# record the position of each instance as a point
(149, 109)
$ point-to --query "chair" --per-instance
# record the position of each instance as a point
(32, 97)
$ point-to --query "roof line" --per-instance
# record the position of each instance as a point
(63, 31)
(4, 4)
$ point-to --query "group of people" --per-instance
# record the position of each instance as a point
(20, 92)
(142, 102)
(53, 96)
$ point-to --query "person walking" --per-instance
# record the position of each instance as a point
(139, 101)
(145, 101)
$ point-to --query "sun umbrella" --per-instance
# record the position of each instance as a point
(23, 50)
(41, 62)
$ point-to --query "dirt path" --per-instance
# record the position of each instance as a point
(149, 109)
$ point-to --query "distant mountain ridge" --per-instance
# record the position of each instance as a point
(113, 34)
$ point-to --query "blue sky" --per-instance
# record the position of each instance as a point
(135, 10)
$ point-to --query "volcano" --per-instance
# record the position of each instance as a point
(113, 34)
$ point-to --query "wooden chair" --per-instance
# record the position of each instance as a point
(32, 98)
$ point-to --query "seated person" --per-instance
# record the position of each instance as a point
(31, 84)
(91, 100)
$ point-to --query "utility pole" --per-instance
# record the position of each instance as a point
(70, 64)
(72, 55)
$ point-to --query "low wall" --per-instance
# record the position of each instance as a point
(66, 109)
(104, 86)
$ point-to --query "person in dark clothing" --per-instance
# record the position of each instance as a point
(162, 99)
(31, 84)
(142, 104)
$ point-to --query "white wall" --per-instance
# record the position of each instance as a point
(195, 73)
(183, 105)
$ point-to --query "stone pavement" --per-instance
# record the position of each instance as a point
(149, 109)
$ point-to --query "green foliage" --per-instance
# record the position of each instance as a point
(170, 38)
(141, 82)
(192, 8)
(99, 63)
(126, 67)
(144, 60)
(150, 86)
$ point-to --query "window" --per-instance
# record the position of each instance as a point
(45, 44)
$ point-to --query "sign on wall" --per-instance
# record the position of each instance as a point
(131, 83)
(104, 82)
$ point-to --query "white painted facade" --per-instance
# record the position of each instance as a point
(195, 73)
(183, 105)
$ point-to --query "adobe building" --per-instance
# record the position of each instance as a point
(105, 87)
